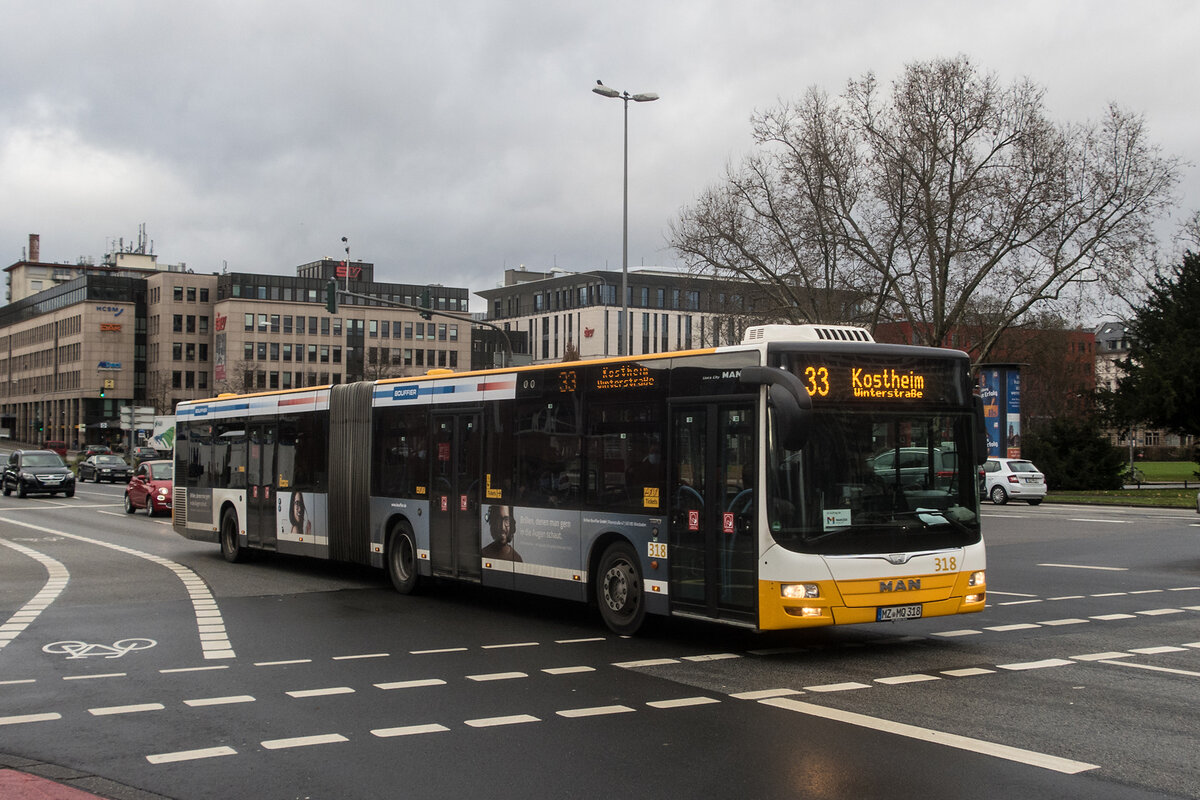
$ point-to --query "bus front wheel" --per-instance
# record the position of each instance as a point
(230, 548)
(619, 591)
(402, 559)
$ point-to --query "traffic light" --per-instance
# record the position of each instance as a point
(102, 392)
(425, 301)
(331, 296)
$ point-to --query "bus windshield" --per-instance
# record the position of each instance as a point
(876, 483)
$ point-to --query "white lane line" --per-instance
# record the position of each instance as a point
(1111, 594)
(649, 662)
(683, 702)
(836, 687)
(950, 634)
(1100, 656)
(194, 669)
(579, 641)
(596, 711)
(191, 755)
(1084, 566)
(1019, 602)
(97, 676)
(1043, 664)
(763, 694)
(434, 652)
(1154, 651)
(1011, 594)
(1111, 617)
(1029, 757)
(1057, 622)
(900, 680)
(18, 682)
(56, 581)
(491, 722)
(1106, 521)
(282, 663)
(1153, 668)
(410, 684)
(1158, 612)
(968, 672)
(497, 676)
(321, 692)
(133, 709)
(23, 718)
(201, 596)
(364, 655)
(408, 730)
(201, 702)
(1068, 597)
(567, 670)
(303, 741)
(1021, 626)
(712, 657)
(513, 644)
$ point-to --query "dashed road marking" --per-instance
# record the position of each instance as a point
(595, 711)
(191, 755)
(408, 730)
(130, 709)
(492, 722)
(303, 741)
(56, 581)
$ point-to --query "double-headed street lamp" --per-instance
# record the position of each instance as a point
(625, 328)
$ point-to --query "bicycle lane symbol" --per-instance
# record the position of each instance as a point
(85, 650)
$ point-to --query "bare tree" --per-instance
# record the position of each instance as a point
(952, 201)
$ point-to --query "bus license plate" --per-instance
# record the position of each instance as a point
(890, 613)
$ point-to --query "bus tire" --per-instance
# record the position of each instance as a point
(402, 559)
(231, 550)
(620, 589)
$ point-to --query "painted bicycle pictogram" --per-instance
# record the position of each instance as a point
(85, 650)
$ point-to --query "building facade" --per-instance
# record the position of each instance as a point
(1112, 347)
(73, 354)
(579, 312)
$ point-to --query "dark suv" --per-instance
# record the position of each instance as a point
(37, 472)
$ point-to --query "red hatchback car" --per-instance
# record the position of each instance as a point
(150, 487)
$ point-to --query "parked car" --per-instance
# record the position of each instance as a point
(37, 472)
(1013, 479)
(909, 467)
(150, 487)
(96, 450)
(56, 446)
(104, 468)
(140, 454)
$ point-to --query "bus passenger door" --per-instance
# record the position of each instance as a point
(260, 485)
(454, 511)
(713, 553)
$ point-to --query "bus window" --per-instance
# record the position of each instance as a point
(547, 453)
(625, 466)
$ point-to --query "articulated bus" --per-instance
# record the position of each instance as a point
(809, 476)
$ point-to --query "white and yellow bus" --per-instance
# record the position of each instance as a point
(809, 476)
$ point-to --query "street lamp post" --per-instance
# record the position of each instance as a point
(624, 328)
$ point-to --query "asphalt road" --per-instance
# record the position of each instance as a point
(140, 664)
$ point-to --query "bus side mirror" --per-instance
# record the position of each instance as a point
(790, 401)
(981, 439)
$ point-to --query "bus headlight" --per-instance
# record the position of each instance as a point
(977, 578)
(796, 591)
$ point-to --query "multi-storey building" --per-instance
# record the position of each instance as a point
(73, 354)
(578, 312)
(1112, 347)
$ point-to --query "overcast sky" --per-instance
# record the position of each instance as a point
(449, 140)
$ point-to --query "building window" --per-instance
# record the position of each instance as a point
(249, 322)
(191, 295)
(203, 297)
(176, 351)
(203, 324)
(178, 294)
(177, 323)
(204, 351)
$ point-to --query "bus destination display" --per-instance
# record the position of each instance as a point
(849, 379)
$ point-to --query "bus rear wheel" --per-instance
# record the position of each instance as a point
(402, 559)
(619, 591)
(231, 549)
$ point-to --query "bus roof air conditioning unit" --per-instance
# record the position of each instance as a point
(806, 333)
